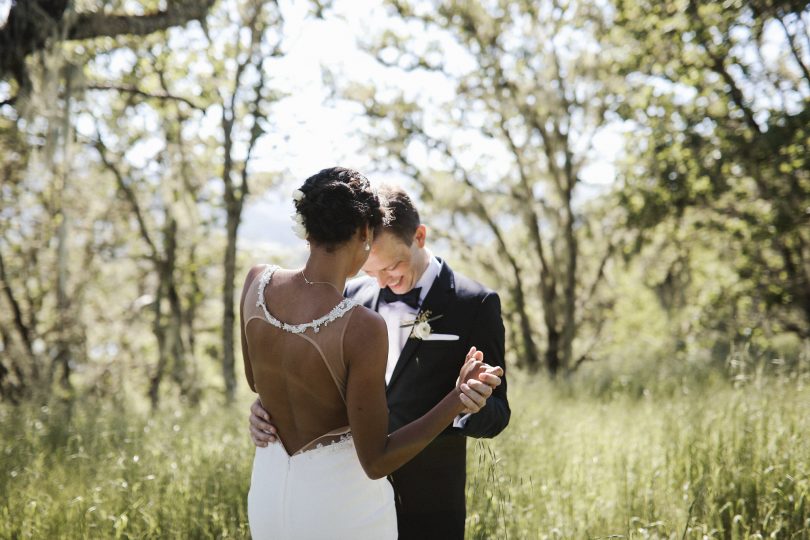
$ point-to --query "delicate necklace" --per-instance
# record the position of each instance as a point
(308, 282)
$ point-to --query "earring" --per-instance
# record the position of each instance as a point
(367, 246)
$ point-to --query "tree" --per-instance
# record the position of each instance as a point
(508, 150)
(19, 333)
(242, 94)
(50, 320)
(99, 111)
(719, 95)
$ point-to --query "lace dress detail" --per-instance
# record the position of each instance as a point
(314, 452)
(337, 312)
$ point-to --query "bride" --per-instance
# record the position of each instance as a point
(317, 361)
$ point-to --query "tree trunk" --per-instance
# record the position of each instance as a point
(160, 336)
(194, 302)
(531, 357)
(167, 334)
(62, 359)
(553, 363)
(19, 324)
(63, 356)
(569, 290)
(189, 336)
(10, 390)
(228, 292)
(175, 347)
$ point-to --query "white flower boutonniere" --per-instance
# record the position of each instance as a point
(420, 326)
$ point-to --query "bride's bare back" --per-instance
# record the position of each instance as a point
(300, 376)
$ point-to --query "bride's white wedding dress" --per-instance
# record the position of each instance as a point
(321, 491)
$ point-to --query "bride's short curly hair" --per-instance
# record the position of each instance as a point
(336, 203)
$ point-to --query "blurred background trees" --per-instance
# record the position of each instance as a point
(631, 176)
(535, 91)
(719, 94)
(136, 151)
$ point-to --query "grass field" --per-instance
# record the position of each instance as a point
(712, 462)
(721, 463)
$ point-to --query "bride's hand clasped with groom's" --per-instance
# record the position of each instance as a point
(476, 381)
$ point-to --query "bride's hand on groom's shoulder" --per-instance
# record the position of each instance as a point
(476, 381)
(262, 432)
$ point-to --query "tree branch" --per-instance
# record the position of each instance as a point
(22, 329)
(600, 273)
(177, 13)
(794, 49)
(255, 132)
(718, 65)
(32, 22)
(139, 92)
(129, 194)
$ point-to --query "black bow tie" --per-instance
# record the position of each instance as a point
(410, 298)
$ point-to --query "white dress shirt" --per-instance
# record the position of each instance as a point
(398, 313)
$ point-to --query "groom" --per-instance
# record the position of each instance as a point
(407, 285)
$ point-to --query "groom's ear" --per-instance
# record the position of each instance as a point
(420, 236)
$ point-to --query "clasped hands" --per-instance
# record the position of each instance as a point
(476, 381)
(475, 384)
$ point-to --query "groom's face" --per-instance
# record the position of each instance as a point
(395, 264)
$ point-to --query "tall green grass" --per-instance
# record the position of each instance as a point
(699, 462)
(715, 462)
(91, 470)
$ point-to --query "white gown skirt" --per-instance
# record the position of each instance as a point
(321, 493)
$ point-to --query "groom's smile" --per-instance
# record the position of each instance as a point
(395, 264)
(395, 286)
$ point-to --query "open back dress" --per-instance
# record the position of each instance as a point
(308, 484)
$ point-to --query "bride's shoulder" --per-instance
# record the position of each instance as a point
(365, 324)
(365, 334)
(259, 269)
(266, 267)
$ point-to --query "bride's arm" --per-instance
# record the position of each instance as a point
(366, 351)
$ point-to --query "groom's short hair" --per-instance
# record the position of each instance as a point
(401, 216)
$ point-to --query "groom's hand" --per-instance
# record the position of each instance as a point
(262, 432)
(474, 393)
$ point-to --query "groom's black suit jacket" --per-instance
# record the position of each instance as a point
(430, 488)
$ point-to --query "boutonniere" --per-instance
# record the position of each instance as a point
(421, 325)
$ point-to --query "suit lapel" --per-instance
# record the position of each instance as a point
(436, 301)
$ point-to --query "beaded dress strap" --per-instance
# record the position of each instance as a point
(337, 312)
